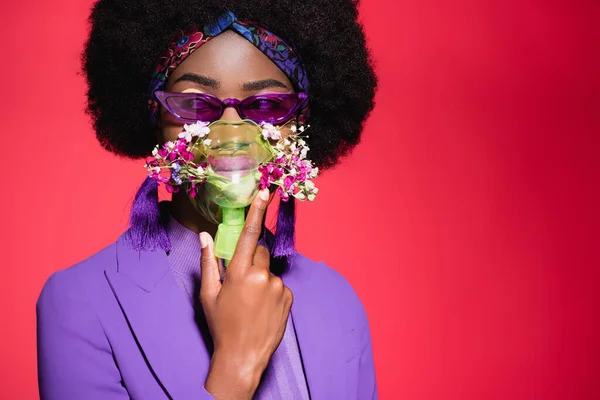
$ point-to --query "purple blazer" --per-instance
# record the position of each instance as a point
(117, 326)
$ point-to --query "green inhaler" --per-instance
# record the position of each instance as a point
(233, 152)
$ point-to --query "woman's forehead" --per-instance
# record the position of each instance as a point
(230, 60)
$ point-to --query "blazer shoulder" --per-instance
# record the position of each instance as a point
(74, 279)
(328, 285)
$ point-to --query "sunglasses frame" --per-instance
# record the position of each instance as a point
(300, 98)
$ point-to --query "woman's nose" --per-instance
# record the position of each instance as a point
(231, 114)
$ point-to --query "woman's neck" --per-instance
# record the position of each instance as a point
(184, 212)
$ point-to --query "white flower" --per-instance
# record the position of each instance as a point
(155, 152)
(293, 172)
(186, 134)
(311, 197)
(200, 170)
(301, 129)
(287, 142)
(314, 172)
(301, 142)
(303, 152)
(279, 146)
(280, 154)
(310, 185)
(170, 145)
(300, 196)
(270, 131)
(198, 128)
(293, 128)
(207, 142)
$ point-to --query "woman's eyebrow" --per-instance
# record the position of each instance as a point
(253, 86)
(199, 79)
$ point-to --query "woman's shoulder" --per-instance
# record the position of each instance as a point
(75, 280)
(324, 285)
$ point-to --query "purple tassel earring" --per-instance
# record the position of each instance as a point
(146, 231)
(286, 229)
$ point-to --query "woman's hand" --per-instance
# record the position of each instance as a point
(246, 314)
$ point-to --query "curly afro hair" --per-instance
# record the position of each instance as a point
(127, 37)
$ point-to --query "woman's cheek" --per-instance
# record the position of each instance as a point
(170, 127)
(171, 132)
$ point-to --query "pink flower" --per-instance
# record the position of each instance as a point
(277, 173)
(192, 191)
(284, 196)
(172, 156)
(171, 188)
(163, 152)
(288, 182)
(264, 182)
(187, 156)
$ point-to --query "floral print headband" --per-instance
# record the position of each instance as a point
(274, 47)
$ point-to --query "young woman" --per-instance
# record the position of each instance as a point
(155, 315)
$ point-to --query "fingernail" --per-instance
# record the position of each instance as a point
(264, 194)
(203, 239)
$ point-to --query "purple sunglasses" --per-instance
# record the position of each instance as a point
(272, 108)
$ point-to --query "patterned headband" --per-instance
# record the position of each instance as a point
(278, 51)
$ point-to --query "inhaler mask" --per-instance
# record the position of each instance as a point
(231, 154)
(223, 165)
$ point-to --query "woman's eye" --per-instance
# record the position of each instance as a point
(195, 104)
(264, 104)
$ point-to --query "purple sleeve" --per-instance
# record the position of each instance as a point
(75, 360)
(367, 386)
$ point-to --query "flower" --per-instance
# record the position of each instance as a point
(270, 131)
(199, 128)
(303, 152)
(171, 189)
(300, 196)
(193, 190)
(288, 182)
(187, 135)
(289, 173)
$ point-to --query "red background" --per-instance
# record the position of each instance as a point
(466, 220)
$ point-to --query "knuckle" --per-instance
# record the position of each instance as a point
(277, 284)
(252, 230)
(262, 259)
(261, 206)
(289, 296)
(260, 276)
(206, 259)
(205, 297)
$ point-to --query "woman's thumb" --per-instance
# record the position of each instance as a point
(210, 283)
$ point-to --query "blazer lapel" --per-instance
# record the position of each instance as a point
(324, 345)
(161, 319)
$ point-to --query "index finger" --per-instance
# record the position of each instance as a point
(246, 246)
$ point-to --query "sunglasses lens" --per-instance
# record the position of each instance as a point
(268, 108)
(194, 107)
